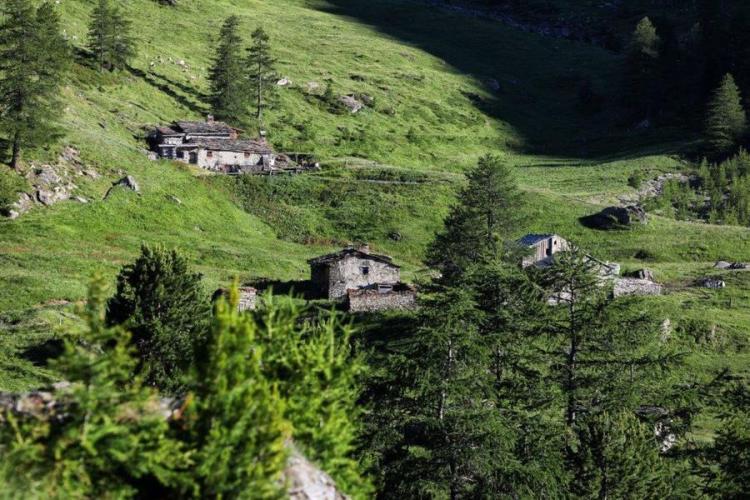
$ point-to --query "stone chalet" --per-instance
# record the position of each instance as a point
(215, 146)
(543, 248)
(365, 281)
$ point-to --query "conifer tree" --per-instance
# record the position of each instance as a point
(228, 96)
(167, 310)
(726, 121)
(488, 210)
(262, 74)
(106, 437)
(34, 59)
(731, 449)
(641, 69)
(110, 37)
(456, 443)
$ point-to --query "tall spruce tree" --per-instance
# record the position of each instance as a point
(641, 70)
(488, 210)
(228, 97)
(165, 307)
(110, 37)
(262, 74)
(731, 449)
(456, 442)
(726, 120)
(34, 59)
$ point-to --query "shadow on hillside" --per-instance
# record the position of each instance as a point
(532, 86)
(167, 86)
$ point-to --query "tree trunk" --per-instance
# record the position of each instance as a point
(16, 156)
(260, 94)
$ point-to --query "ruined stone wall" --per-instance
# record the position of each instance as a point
(372, 300)
(349, 273)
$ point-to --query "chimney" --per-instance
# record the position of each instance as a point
(364, 248)
(210, 119)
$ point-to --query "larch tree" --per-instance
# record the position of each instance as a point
(641, 69)
(488, 210)
(165, 307)
(34, 60)
(726, 120)
(110, 37)
(262, 76)
(228, 95)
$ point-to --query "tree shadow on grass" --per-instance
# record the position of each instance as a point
(530, 82)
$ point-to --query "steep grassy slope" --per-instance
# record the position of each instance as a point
(446, 89)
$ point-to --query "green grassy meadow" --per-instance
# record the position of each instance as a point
(389, 172)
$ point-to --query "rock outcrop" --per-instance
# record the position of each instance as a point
(616, 218)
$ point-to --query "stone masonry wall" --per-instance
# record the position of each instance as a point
(348, 274)
(372, 300)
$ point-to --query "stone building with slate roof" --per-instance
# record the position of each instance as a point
(215, 146)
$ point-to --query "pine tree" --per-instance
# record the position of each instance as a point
(34, 59)
(110, 37)
(228, 97)
(456, 442)
(107, 437)
(165, 307)
(641, 65)
(618, 457)
(488, 210)
(262, 74)
(731, 448)
(726, 120)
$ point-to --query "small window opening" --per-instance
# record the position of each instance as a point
(209, 154)
(247, 154)
(365, 270)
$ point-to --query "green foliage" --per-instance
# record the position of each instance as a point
(237, 419)
(726, 121)
(227, 77)
(262, 77)
(34, 59)
(166, 308)
(110, 440)
(618, 457)
(110, 38)
(488, 211)
(295, 373)
(731, 449)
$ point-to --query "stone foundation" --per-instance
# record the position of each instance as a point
(375, 300)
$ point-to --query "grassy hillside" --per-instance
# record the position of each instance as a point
(445, 89)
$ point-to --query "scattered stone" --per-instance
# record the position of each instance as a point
(644, 274)
(175, 199)
(634, 286)
(722, 264)
(368, 100)
(284, 82)
(616, 218)
(357, 78)
(91, 173)
(306, 481)
(127, 182)
(351, 103)
(52, 196)
(665, 331)
(81, 199)
(311, 87)
(713, 283)
(24, 204)
(494, 85)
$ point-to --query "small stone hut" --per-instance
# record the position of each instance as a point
(333, 275)
(543, 248)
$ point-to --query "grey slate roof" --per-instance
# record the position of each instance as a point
(204, 127)
(351, 252)
(532, 239)
(237, 146)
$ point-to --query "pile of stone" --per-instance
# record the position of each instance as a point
(712, 283)
(730, 266)
(616, 218)
(640, 282)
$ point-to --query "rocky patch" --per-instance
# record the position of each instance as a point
(616, 218)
